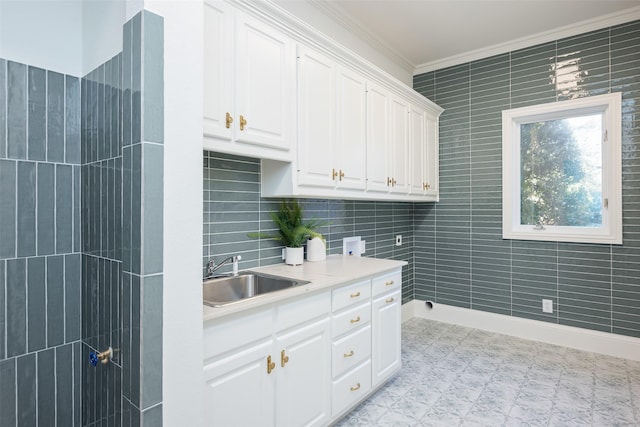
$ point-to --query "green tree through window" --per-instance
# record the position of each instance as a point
(561, 172)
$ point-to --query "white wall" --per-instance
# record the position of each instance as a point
(304, 10)
(182, 382)
(68, 36)
(46, 34)
(101, 31)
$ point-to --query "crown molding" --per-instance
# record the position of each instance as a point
(582, 27)
(339, 16)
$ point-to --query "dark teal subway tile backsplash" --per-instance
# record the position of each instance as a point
(460, 257)
(233, 207)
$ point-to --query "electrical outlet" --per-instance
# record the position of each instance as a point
(547, 306)
(398, 239)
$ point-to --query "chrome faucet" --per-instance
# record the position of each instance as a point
(213, 265)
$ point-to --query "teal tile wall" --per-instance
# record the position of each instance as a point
(40, 260)
(233, 207)
(461, 258)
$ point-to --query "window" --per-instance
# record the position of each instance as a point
(561, 171)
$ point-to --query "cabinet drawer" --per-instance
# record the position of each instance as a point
(352, 294)
(351, 319)
(387, 282)
(351, 388)
(347, 352)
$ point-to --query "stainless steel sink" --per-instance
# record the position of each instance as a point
(221, 291)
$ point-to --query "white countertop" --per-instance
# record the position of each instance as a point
(336, 270)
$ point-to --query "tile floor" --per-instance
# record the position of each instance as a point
(457, 376)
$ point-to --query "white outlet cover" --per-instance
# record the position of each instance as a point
(547, 306)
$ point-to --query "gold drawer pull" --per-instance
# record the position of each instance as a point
(284, 359)
(357, 387)
(351, 353)
(356, 320)
(270, 365)
(390, 300)
(355, 294)
(389, 283)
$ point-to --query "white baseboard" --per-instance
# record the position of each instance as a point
(568, 336)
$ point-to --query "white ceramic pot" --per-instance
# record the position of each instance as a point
(293, 256)
(316, 249)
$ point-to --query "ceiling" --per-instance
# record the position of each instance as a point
(427, 34)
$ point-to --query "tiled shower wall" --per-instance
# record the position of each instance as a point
(40, 261)
(122, 205)
(233, 207)
(460, 257)
(102, 239)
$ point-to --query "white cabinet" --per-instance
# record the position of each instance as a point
(331, 143)
(304, 362)
(387, 141)
(269, 367)
(386, 323)
(249, 84)
(378, 138)
(351, 345)
(423, 137)
(302, 388)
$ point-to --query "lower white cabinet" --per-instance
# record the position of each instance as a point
(277, 379)
(386, 319)
(305, 362)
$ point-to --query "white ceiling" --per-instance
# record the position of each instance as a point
(423, 35)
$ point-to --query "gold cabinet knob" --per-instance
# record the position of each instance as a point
(388, 182)
(243, 122)
(393, 182)
(284, 359)
(356, 320)
(425, 186)
(355, 387)
(334, 174)
(270, 365)
(229, 120)
(341, 174)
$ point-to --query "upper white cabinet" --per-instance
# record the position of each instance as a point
(387, 142)
(249, 84)
(325, 122)
(332, 133)
(423, 137)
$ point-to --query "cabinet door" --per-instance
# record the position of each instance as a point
(351, 129)
(238, 391)
(264, 84)
(304, 376)
(399, 145)
(418, 150)
(218, 60)
(386, 322)
(317, 118)
(377, 138)
(431, 166)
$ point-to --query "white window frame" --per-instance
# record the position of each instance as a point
(611, 230)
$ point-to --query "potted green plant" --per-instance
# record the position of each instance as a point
(292, 232)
